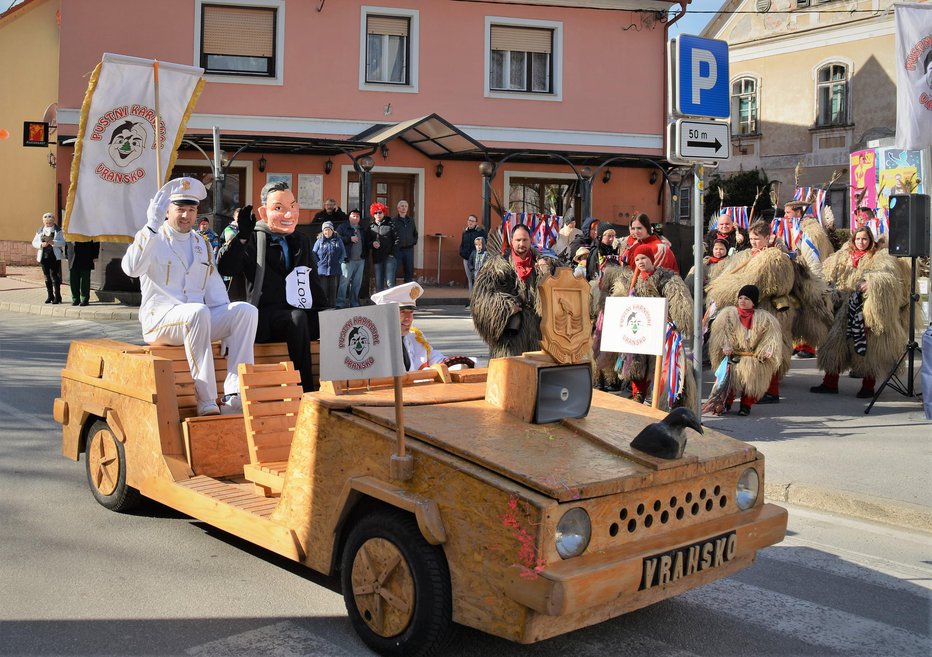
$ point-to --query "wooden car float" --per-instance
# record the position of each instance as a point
(522, 530)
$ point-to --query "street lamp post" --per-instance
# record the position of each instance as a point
(487, 169)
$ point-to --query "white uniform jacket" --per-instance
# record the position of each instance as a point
(166, 279)
(418, 353)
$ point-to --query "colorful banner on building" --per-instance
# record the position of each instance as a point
(913, 76)
(114, 173)
(863, 167)
(544, 228)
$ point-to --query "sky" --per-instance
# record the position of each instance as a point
(694, 21)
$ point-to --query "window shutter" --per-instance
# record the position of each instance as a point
(387, 25)
(521, 39)
(240, 31)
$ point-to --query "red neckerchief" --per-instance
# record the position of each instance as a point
(856, 257)
(746, 317)
(713, 259)
(644, 274)
(723, 237)
(523, 266)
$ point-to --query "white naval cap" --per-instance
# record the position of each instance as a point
(405, 295)
(185, 191)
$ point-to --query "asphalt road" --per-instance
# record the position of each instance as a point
(76, 579)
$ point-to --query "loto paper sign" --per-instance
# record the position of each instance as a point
(634, 325)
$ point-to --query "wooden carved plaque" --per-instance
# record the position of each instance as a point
(565, 325)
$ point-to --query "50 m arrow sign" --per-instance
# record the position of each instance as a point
(702, 140)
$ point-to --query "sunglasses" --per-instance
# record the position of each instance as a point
(378, 212)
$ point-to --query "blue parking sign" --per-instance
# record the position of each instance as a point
(702, 77)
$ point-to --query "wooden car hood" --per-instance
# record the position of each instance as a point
(567, 460)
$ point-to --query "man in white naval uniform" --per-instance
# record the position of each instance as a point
(184, 300)
(417, 352)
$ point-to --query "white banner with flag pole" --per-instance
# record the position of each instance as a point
(114, 172)
(361, 343)
(913, 76)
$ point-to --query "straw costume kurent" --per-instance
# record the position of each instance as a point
(636, 368)
(757, 349)
(505, 305)
(885, 313)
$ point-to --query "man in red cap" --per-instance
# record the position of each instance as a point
(382, 239)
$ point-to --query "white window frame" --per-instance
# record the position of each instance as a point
(849, 67)
(413, 16)
(736, 117)
(279, 5)
(556, 71)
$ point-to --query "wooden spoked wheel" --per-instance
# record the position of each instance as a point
(103, 461)
(383, 587)
(396, 586)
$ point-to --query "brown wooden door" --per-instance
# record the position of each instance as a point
(389, 188)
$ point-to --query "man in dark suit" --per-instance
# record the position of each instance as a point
(280, 275)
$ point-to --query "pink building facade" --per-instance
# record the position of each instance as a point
(309, 87)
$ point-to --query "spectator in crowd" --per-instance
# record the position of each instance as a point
(467, 246)
(381, 239)
(726, 230)
(231, 229)
(588, 236)
(871, 313)
(49, 243)
(183, 306)
(331, 213)
(641, 232)
(205, 231)
(406, 236)
(477, 258)
(505, 297)
(751, 337)
(330, 256)
(603, 253)
(81, 257)
(580, 259)
(278, 266)
(354, 243)
(567, 236)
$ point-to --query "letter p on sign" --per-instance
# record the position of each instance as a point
(701, 77)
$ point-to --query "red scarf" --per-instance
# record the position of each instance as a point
(644, 274)
(523, 266)
(856, 257)
(713, 259)
(746, 317)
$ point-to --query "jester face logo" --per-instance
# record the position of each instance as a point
(358, 343)
(634, 322)
(127, 142)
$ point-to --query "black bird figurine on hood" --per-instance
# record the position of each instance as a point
(667, 439)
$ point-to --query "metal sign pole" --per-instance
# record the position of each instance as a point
(698, 224)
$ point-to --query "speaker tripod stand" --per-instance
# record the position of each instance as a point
(905, 388)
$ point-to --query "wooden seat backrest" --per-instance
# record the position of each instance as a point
(271, 396)
(434, 374)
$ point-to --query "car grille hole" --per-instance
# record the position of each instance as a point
(613, 530)
(649, 520)
(632, 525)
(664, 517)
(640, 509)
(623, 514)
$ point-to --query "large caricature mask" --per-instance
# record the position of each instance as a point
(127, 143)
(280, 212)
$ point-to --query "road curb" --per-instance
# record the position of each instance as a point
(865, 507)
(108, 312)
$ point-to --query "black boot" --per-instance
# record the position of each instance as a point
(51, 295)
(57, 299)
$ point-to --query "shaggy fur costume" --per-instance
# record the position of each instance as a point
(751, 375)
(813, 230)
(886, 313)
(496, 291)
(615, 282)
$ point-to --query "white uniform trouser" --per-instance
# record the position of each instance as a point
(195, 326)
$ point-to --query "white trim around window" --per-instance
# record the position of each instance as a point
(849, 104)
(413, 16)
(278, 5)
(557, 55)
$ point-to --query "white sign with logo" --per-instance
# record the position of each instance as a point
(634, 325)
(361, 343)
(298, 288)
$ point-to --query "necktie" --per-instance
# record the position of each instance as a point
(405, 356)
(286, 256)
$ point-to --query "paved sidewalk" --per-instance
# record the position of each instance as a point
(822, 451)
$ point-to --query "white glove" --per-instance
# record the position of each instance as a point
(157, 209)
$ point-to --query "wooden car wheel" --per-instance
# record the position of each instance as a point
(105, 460)
(396, 586)
(383, 587)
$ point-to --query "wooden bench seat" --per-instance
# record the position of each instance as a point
(271, 395)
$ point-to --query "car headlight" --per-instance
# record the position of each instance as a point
(748, 489)
(573, 533)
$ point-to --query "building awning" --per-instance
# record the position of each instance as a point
(431, 135)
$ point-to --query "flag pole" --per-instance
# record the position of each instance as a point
(158, 126)
(658, 370)
(402, 464)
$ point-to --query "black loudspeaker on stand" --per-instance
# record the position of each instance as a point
(909, 237)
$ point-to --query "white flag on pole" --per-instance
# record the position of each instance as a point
(361, 343)
(913, 76)
(114, 173)
(634, 325)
